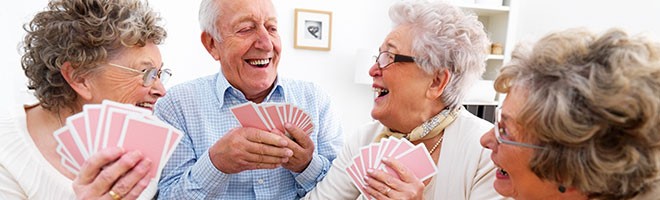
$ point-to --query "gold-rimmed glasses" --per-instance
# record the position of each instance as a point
(149, 75)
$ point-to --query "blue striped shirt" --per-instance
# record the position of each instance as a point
(200, 108)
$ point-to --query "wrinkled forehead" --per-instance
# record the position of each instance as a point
(399, 40)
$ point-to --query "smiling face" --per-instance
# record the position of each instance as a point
(250, 48)
(514, 177)
(126, 86)
(402, 101)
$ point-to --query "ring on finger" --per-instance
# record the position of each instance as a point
(114, 195)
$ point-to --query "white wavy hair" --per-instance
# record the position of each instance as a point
(445, 37)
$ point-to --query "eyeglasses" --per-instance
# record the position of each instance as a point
(499, 131)
(149, 75)
(385, 59)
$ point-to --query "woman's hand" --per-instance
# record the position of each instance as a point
(382, 185)
(113, 174)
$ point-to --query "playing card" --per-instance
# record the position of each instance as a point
(92, 113)
(274, 115)
(417, 160)
(106, 107)
(71, 143)
(115, 124)
(248, 116)
(414, 157)
(138, 130)
(77, 126)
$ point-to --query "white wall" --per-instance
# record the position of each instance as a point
(356, 24)
(538, 17)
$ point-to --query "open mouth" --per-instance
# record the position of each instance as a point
(380, 92)
(260, 63)
(146, 105)
(502, 172)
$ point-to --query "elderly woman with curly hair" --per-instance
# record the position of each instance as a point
(78, 52)
(426, 63)
(581, 119)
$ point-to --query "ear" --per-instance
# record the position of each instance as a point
(440, 81)
(79, 84)
(210, 44)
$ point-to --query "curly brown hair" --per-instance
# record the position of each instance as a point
(84, 33)
(594, 102)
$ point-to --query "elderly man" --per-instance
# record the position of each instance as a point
(218, 159)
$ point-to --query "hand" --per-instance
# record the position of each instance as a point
(247, 149)
(302, 147)
(111, 169)
(382, 185)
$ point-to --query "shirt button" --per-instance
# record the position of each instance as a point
(260, 181)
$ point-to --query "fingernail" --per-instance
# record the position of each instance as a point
(283, 142)
(365, 180)
(385, 159)
(288, 125)
(370, 171)
(289, 152)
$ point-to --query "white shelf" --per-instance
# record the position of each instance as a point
(484, 10)
(500, 24)
(495, 57)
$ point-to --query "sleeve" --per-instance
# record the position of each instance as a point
(9, 189)
(337, 184)
(185, 176)
(328, 143)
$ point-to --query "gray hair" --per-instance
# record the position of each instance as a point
(85, 33)
(592, 100)
(445, 37)
(209, 10)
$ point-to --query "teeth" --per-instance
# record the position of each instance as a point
(379, 92)
(145, 105)
(259, 62)
(503, 172)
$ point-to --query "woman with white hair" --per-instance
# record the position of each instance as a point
(425, 65)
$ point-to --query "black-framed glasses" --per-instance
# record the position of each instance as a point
(501, 131)
(385, 59)
(149, 75)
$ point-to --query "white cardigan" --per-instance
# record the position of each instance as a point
(465, 170)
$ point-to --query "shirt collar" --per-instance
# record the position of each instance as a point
(223, 87)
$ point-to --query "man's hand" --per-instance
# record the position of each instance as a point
(302, 147)
(247, 149)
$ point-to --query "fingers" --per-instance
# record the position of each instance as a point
(299, 136)
(404, 173)
(138, 188)
(93, 165)
(381, 181)
(258, 136)
(132, 179)
(109, 175)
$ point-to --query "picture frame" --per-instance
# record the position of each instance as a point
(312, 29)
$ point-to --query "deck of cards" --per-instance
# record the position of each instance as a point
(415, 157)
(113, 124)
(271, 116)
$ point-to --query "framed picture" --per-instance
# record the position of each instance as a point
(312, 29)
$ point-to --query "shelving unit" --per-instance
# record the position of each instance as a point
(500, 25)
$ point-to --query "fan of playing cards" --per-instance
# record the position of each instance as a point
(416, 158)
(113, 124)
(270, 116)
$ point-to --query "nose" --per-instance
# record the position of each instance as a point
(157, 89)
(488, 140)
(374, 71)
(264, 40)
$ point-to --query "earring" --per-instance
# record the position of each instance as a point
(562, 189)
